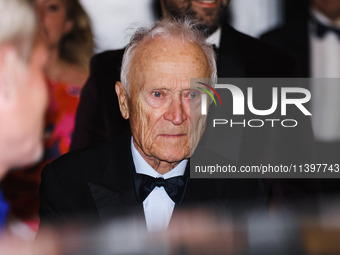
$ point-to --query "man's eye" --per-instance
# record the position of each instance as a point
(157, 94)
(193, 94)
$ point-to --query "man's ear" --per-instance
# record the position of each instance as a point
(122, 99)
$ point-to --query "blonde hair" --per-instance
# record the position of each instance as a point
(76, 47)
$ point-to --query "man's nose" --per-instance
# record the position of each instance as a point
(176, 112)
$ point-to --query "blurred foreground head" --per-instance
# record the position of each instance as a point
(23, 94)
(155, 94)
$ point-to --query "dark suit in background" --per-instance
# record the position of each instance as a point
(294, 37)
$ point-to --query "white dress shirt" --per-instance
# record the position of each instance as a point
(158, 206)
(325, 63)
(215, 38)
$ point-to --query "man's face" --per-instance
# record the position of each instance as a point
(160, 97)
(23, 118)
(207, 12)
(331, 8)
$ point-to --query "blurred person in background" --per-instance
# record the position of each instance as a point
(302, 37)
(69, 39)
(23, 91)
(67, 32)
(315, 41)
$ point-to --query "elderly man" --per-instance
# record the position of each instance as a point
(23, 93)
(98, 118)
(149, 171)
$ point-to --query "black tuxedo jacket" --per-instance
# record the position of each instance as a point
(294, 38)
(98, 182)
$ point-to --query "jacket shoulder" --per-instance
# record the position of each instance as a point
(274, 60)
(64, 189)
(81, 164)
(257, 46)
(107, 61)
(107, 56)
(275, 33)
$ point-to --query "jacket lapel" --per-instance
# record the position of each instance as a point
(231, 62)
(300, 46)
(114, 193)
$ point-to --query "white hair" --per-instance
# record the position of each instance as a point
(186, 29)
(17, 25)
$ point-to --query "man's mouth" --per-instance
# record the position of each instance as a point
(206, 3)
(172, 135)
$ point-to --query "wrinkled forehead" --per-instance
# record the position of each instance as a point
(159, 53)
(171, 45)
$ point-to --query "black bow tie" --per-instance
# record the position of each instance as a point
(321, 30)
(175, 186)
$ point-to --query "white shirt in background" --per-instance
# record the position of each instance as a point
(325, 63)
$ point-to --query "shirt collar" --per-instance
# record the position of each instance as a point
(215, 38)
(142, 167)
